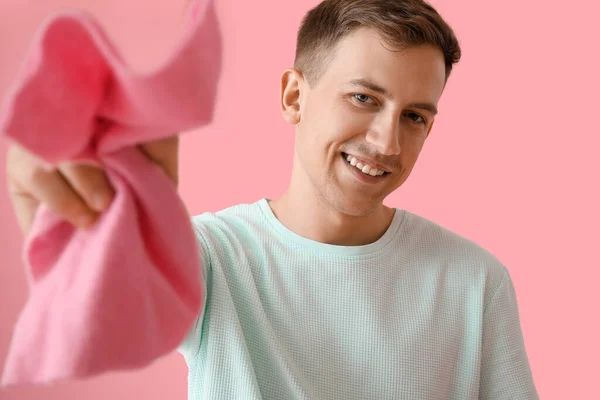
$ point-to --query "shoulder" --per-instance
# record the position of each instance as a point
(233, 226)
(454, 252)
(236, 217)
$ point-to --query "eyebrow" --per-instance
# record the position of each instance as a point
(384, 92)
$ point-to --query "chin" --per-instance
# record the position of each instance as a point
(356, 207)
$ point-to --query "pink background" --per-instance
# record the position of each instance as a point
(512, 162)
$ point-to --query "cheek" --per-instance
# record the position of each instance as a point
(408, 158)
(347, 125)
(411, 145)
(325, 127)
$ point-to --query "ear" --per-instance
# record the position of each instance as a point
(291, 84)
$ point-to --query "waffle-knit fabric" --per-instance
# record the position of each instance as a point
(422, 313)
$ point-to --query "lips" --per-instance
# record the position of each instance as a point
(365, 165)
(362, 177)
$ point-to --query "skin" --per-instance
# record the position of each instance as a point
(325, 201)
(77, 192)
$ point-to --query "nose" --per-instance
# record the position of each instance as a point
(385, 135)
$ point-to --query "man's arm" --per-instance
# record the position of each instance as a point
(505, 370)
(191, 344)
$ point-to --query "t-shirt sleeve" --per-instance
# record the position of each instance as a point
(505, 370)
(190, 345)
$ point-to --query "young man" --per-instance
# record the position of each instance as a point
(325, 292)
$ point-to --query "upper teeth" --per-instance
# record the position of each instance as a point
(364, 168)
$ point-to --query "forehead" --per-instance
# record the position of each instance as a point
(412, 72)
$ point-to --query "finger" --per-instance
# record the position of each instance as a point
(52, 189)
(24, 206)
(164, 153)
(17, 162)
(90, 183)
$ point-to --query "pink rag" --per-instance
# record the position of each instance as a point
(126, 291)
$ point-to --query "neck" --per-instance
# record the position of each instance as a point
(307, 215)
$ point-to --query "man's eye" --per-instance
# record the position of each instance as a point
(363, 98)
(416, 118)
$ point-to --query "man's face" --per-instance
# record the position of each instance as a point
(372, 108)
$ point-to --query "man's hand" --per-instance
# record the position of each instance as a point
(77, 192)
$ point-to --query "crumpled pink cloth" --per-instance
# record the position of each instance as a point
(126, 291)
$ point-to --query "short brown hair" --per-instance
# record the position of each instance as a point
(401, 23)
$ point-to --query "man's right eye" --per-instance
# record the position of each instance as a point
(364, 99)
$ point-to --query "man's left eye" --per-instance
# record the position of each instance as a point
(416, 118)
